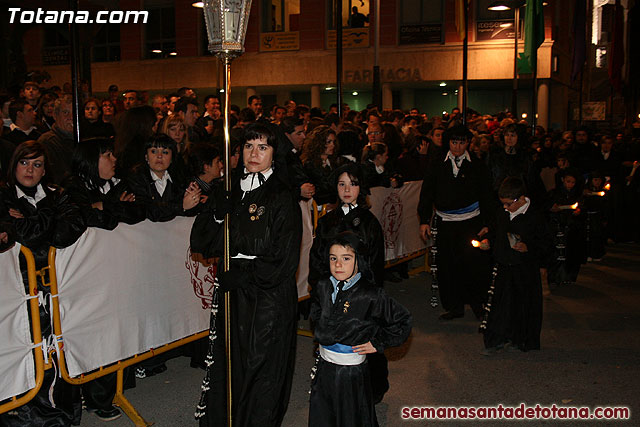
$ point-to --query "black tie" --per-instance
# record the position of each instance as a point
(458, 161)
(340, 286)
(261, 178)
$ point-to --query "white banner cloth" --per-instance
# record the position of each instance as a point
(302, 275)
(397, 211)
(17, 371)
(125, 291)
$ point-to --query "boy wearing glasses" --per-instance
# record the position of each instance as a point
(521, 240)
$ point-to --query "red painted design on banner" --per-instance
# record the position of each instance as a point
(202, 279)
(392, 219)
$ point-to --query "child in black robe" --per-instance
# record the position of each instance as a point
(568, 225)
(596, 209)
(353, 317)
(521, 240)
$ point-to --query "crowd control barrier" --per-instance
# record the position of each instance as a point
(22, 356)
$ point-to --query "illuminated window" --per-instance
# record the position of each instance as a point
(280, 15)
(351, 18)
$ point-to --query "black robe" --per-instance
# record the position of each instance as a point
(159, 208)
(113, 212)
(54, 221)
(569, 237)
(515, 313)
(320, 177)
(341, 395)
(265, 223)
(361, 221)
(463, 271)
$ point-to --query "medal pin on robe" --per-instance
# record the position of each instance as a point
(253, 208)
(346, 307)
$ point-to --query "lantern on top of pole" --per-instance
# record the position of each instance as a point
(226, 22)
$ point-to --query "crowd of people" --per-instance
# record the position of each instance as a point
(517, 208)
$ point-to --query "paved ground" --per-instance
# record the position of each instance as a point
(590, 357)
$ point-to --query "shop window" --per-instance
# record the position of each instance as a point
(107, 44)
(350, 18)
(494, 25)
(280, 15)
(421, 12)
(421, 21)
(55, 46)
(160, 32)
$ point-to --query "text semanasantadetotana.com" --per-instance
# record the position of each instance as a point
(521, 412)
(41, 16)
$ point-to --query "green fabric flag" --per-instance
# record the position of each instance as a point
(533, 31)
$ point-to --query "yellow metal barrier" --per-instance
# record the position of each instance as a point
(117, 367)
(36, 335)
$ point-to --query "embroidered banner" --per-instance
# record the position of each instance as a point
(125, 291)
(397, 211)
(17, 371)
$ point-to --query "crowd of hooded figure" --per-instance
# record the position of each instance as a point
(516, 210)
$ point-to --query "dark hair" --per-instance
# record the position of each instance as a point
(27, 150)
(357, 176)
(86, 156)
(289, 123)
(45, 99)
(17, 106)
(260, 130)
(98, 105)
(134, 129)
(349, 239)
(162, 141)
(208, 97)
(172, 95)
(199, 155)
(511, 188)
(332, 119)
(372, 150)
(183, 91)
(456, 132)
(316, 145)
(247, 115)
(251, 98)
(134, 91)
(183, 104)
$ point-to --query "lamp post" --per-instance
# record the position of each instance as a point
(502, 5)
(226, 22)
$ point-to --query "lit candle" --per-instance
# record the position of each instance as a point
(601, 193)
(607, 186)
(574, 206)
(475, 243)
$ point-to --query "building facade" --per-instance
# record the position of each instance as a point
(290, 54)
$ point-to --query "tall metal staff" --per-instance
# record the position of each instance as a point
(226, 22)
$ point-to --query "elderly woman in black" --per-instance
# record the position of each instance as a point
(265, 230)
(40, 215)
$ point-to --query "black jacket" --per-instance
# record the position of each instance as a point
(361, 314)
(361, 221)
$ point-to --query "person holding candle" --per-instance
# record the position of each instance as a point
(457, 187)
(520, 242)
(567, 222)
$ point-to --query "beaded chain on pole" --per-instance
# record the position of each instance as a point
(206, 382)
(487, 306)
(434, 263)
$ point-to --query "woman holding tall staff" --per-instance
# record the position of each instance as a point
(265, 232)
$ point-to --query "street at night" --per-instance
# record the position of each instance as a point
(589, 357)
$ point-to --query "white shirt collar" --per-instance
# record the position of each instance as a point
(450, 157)
(160, 183)
(521, 210)
(110, 184)
(347, 208)
(13, 126)
(40, 194)
(251, 182)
